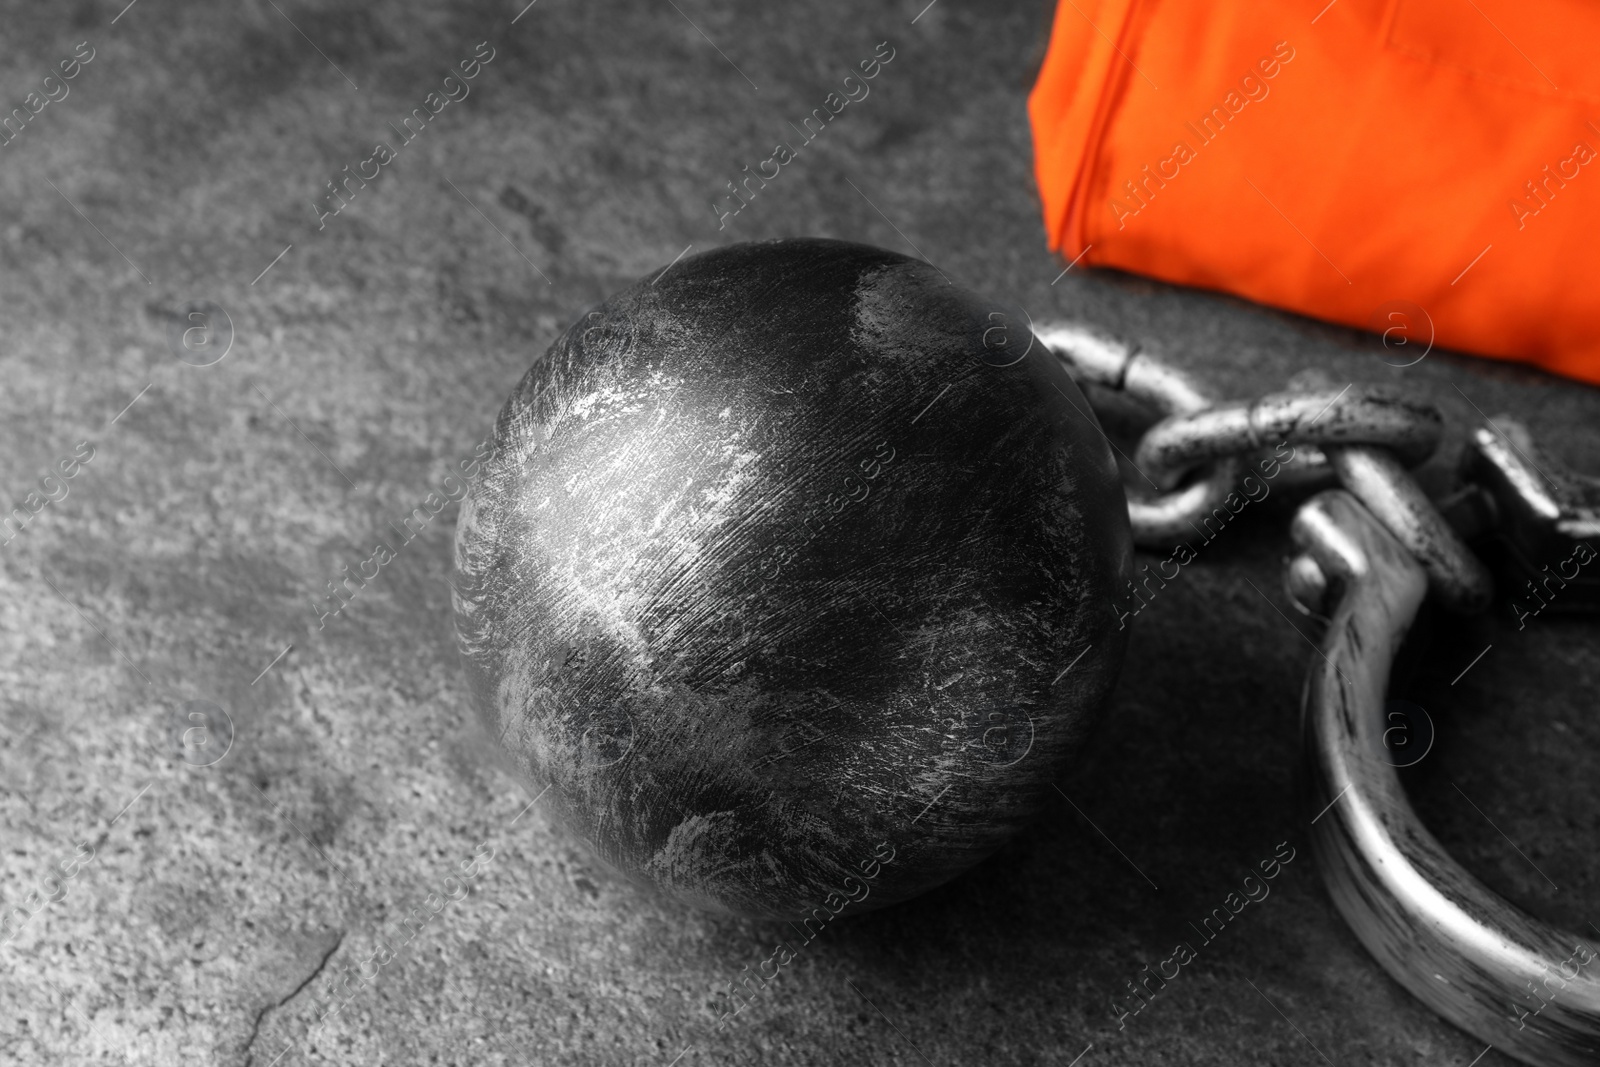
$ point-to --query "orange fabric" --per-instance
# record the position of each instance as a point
(1338, 160)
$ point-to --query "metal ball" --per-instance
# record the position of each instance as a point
(791, 576)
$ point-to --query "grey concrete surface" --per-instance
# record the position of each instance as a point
(206, 914)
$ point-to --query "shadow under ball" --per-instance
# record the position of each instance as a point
(790, 559)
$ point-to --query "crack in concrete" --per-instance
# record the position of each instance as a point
(255, 1030)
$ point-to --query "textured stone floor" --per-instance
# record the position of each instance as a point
(204, 912)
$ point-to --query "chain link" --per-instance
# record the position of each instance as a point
(1354, 415)
(1165, 519)
(1197, 456)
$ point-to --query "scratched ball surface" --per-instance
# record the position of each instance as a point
(791, 577)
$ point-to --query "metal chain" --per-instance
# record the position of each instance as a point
(1367, 557)
(1360, 437)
